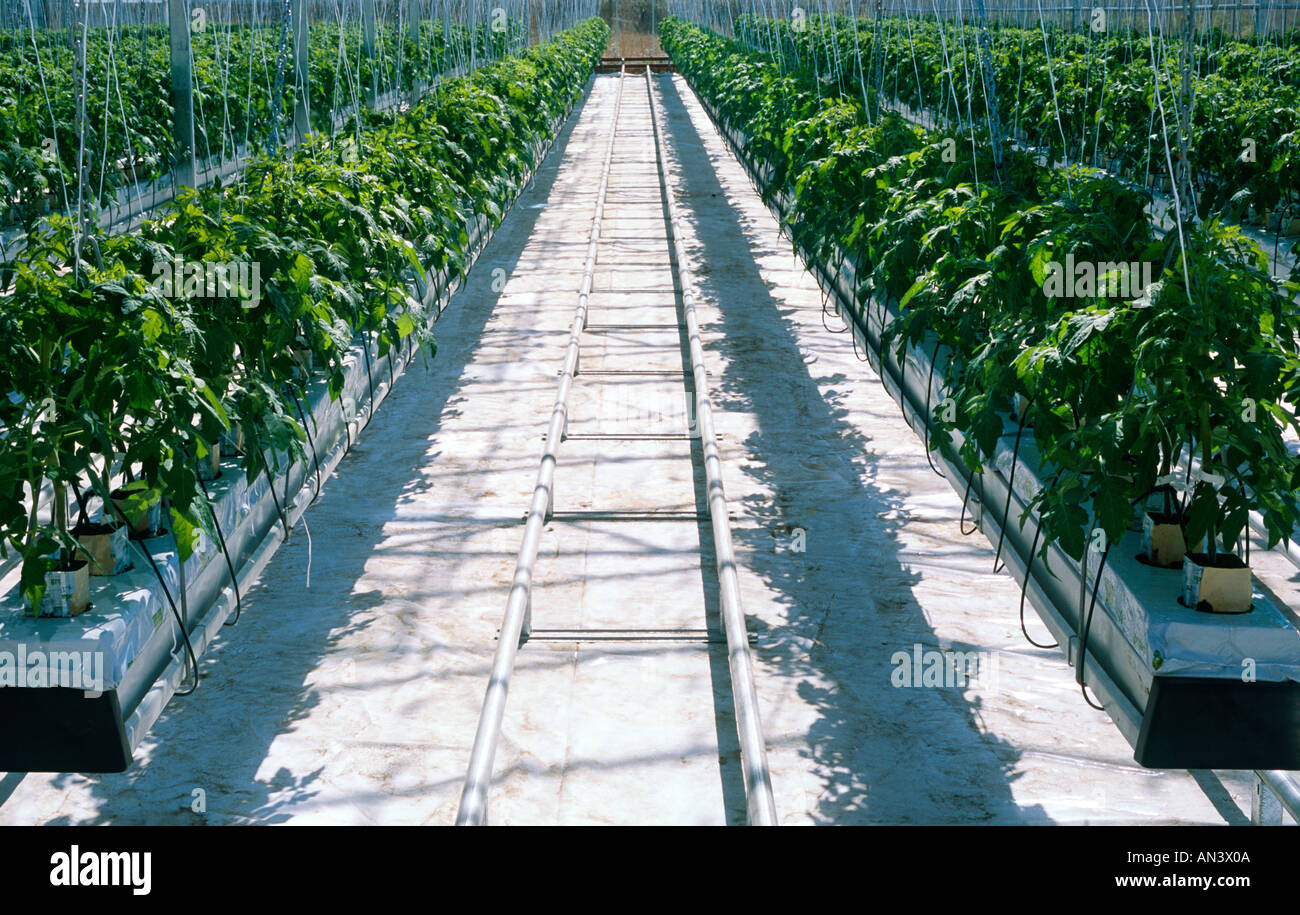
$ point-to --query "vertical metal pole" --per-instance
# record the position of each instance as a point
(77, 30)
(178, 20)
(990, 91)
(371, 42)
(1185, 121)
(413, 10)
(302, 77)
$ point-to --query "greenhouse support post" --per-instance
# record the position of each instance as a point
(371, 41)
(178, 21)
(302, 101)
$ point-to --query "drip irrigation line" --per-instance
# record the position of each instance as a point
(961, 523)
(828, 294)
(171, 602)
(929, 385)
(275, 497)
(1006, 510)
(827, 327)
(310, 441)
(866, 350)
(370, 379)
(230, 565)
(1087, 621)
(1024, 587)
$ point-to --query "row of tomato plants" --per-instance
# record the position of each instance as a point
(1245, 125)
(128, 100)
(1120, 390)
(110, 372)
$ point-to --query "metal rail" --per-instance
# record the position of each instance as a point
(518, 619)
(753, 750)
(1284, 789)
(517, 624)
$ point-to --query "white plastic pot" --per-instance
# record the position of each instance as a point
(67, 591)
(1224, 587)
(105, 547)
(210, 467)
(1163, 543)
(144, 521)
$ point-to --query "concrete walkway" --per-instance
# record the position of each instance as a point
(350, 690)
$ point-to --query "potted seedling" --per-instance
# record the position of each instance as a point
(64, 590)
(1214, 581)
(207, 452)
(48, 440)
(1163, 541)
(209, 463)
(1218, 364)
(54, 581)
(140, 507)
(104, 544)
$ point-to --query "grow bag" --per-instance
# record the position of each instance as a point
(87, 689)
(1170, 677)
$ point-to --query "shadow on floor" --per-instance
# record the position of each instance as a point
(882, 754)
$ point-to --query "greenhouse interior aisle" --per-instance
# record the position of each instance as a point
(349, 693)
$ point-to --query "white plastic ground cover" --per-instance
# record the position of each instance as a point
(1142, 601)
(130, 611)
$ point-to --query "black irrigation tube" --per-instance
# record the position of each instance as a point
(311, 439)
(1024, 587)
(279, 509)
(998, 566)
(929, 386)
(1087, 622)
(370, 378)
(171, 602)
(225, 551)
(965, 499)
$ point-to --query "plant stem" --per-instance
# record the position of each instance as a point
(1206, 448)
